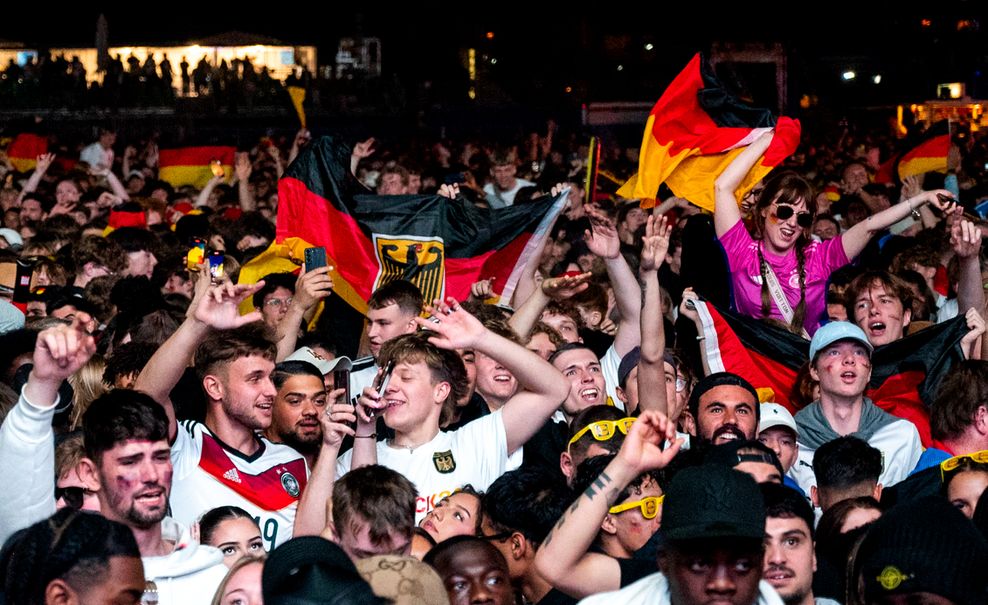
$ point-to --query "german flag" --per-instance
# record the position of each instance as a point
(905, 374)
(930, 155)
(24, 150)
(192, 165)
(695, 130)
(441, 245)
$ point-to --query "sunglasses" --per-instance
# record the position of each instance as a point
(784, 212)
(648, 505)
(952, 463)
(73, 496)
(603, 430)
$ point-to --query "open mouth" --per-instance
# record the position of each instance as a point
(787, 232)
(726, 434)
(502, 378)
(779, 576)
(590, 394)
(150, 496)
(876, 327)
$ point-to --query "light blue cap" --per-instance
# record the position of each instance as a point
(834, 331)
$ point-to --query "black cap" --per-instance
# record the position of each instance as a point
(628, 363)
(713, 501)
(926, 545)
(311, 570)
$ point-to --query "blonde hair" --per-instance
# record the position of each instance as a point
(240, 564)
(87, 384)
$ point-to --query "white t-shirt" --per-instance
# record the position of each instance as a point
(208, 473)
(654, 590)
(191, 573)
(609, 368)
(475, 453)
(502, 199)
(97, 156)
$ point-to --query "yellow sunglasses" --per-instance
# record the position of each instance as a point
(648, 505)
(952, 463)
(603, 430)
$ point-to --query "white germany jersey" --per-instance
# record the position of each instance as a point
(475, 454)
(208, 473)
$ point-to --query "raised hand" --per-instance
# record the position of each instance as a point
(218, 307)
(976, 330)
(965, 238)
(338, 419)
(948, 205)
(911, 186)
(313, 286)
(243, 167)
(482, 290)
(61, 350)
(363, 149)
(602, 238)
(566, 286)
(655, 244)
(642, 448)
(449, 191)
(44, 162)
(687, 308)
(455, 328)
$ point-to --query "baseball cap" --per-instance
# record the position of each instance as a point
(628, 363)
(403, 579)
(14, 239)
(773, 414)
(310, 570)
(712, 501)
(324, 365)
(835, 331)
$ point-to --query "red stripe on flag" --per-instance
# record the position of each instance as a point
(196, 156)
(318, 222)
(899, 396)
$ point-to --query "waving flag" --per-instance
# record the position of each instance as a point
(695, 130)
(193, 165)
(929, 155)
(904, 377)
(441, 245)
(24, 150)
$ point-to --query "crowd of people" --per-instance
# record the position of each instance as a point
(176, 435)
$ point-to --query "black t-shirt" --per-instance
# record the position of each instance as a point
(543, 449)
(633, 569)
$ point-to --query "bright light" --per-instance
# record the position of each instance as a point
(493, 60)
(569, 89)
(620, 68)
(877, 78)
(649, 46)
(848, 75)
(490, 35)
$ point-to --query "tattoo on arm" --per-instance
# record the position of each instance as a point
(600, 484)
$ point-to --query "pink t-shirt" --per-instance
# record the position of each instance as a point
(821, 258)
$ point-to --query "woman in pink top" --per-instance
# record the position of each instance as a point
(781, 244)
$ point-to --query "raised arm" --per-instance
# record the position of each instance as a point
(726, 212)
(310, 288)
(651, 370)
(311, 517)
(215, 307)
(562, 559)
(203, 198)
(856, 238)
(542, 388)
(554, 288)
(27, 446)
(527, 284)
(602, 240)
(41, 166)
(361, 150)
(965, 237)
(242, 169)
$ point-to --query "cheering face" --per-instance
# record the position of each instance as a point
(781, 234)
(135, 479)
(582, 368)
(881, 315)
(247, 391)
(843, 369)
(726, 413)
(412, 397)
(494, 382)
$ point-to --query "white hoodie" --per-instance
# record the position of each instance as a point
(190, 574)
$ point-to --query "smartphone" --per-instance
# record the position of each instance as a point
(196, 255)
(946, 198)
(216, 265)
(22, 282)
(315, 258)
(341, 377)
(217, 167)
(381, 384)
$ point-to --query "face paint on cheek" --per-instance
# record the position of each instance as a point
(773, 219)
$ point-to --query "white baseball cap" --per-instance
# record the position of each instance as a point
(773, 414)
(325, 366)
